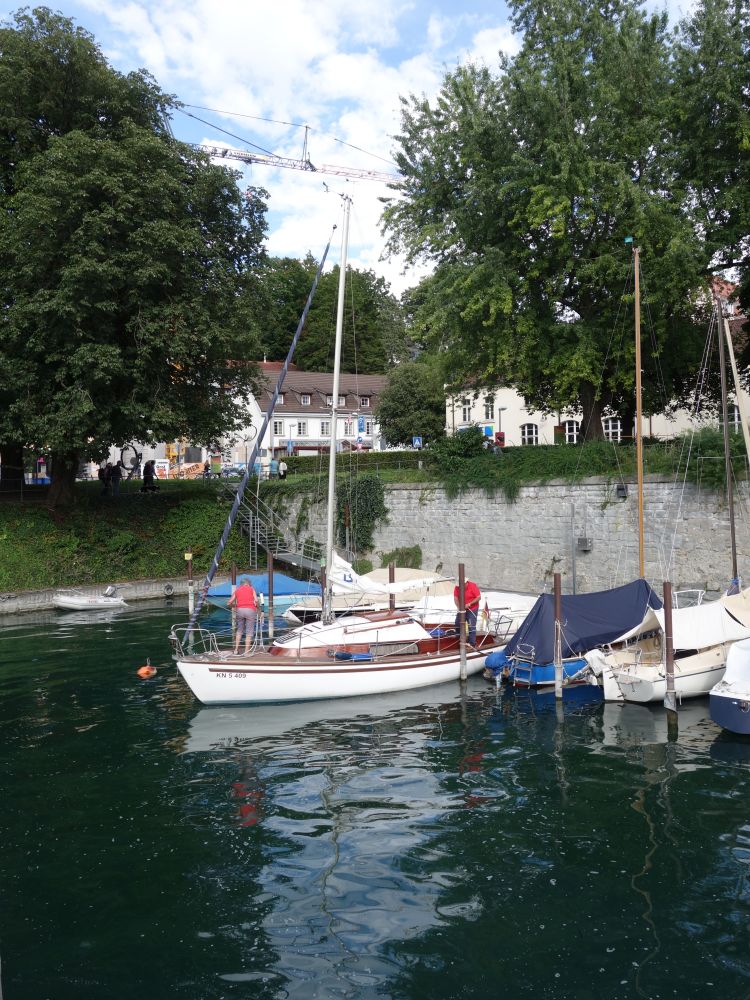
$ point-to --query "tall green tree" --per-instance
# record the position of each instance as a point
(374, 330)
(712, 109)
(521, 187)
(413, 402)
(123, 255)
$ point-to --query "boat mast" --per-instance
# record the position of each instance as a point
(330, 525)
(725, 422)
(638, 413)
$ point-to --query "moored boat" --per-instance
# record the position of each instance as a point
(372, 653)
(77, 600)
(702, 638)
(729, 699)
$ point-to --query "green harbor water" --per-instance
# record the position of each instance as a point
(435, 844)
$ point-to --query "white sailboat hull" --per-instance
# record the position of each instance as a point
(231, 680)
(694, 676)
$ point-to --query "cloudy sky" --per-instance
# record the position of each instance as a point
(255, 72)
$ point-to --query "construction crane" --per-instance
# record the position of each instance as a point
(272, 160)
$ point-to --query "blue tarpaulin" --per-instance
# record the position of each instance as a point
(282, 586)
(588, 620)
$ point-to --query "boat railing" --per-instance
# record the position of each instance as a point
(503, 626)
(688, 598)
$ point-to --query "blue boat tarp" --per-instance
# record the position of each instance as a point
(588, 620)
(282, 586)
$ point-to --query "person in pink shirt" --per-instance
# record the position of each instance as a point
(246, 601)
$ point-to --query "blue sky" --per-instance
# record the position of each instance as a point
(336, 66)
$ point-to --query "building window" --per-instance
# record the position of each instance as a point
(304, 399)
(325, 428)
(529, 434)
(280, 400)
(341, 402)
(364, 402)
(466, 411)
(489, 408)
(278, 428)
(733, 416)
(302, 428)
(572, 429)
(348, 428)
(612, 428)
(368, 428)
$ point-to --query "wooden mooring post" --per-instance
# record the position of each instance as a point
(191, 585)
(558, 637)
(670, 699)
(462, 620)
(233, 578)
(270, 596)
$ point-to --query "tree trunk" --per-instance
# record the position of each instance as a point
(64, 471)
(11, 479)
(591, 424)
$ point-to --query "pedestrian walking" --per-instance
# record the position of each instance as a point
(115, 475)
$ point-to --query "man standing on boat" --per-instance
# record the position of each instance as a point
(246, 601)
(472, 595)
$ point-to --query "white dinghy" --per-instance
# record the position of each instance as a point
(77, 600)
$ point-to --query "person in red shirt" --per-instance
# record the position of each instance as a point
(472, 594)
(246, 601)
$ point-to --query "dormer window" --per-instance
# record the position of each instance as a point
(341, 402)
(280, 400)
(364, 402)
(304, 399)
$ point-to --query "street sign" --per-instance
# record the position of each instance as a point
(417, 441)
(361, 425)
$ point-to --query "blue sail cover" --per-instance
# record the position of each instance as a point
(282, 586)
(588, 620)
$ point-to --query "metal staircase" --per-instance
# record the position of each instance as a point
(265, 530)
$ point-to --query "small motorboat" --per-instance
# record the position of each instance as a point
(729, 700)
(77, 600)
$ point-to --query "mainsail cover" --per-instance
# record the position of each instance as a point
(705, 625)
(588, 620)
(344, 582)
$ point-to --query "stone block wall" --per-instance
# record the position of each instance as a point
(520, 545)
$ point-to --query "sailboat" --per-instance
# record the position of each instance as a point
(365, 654)
(702, 636)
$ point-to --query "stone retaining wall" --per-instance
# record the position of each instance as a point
(519, 545)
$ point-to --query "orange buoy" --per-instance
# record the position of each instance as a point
(147, 670)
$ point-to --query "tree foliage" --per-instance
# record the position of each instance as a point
(412, 403)
(521, 188)
(374, 331)
(123, 256)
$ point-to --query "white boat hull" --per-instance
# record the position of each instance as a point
(84, 602)
(235, 680)
(694, 676)
(729, 700)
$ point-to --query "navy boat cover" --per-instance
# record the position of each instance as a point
(588, 620)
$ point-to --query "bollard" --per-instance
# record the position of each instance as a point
(191, 588)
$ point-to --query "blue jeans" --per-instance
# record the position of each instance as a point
(471, 619)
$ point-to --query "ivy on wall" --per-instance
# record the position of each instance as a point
(360, 505)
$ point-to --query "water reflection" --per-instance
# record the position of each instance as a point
(432, 843)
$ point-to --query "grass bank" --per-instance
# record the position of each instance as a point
(102, 539)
